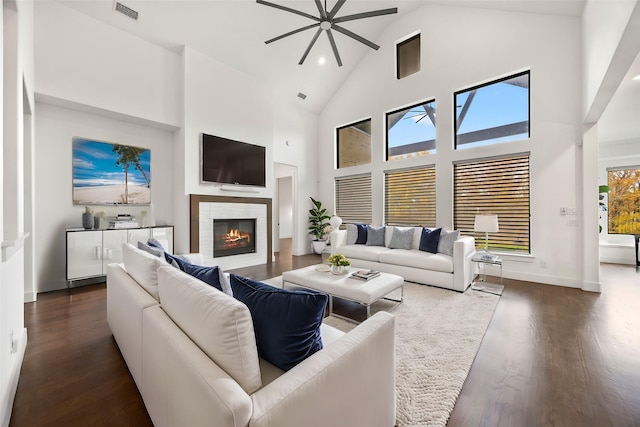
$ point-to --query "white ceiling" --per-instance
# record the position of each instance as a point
(233, 32)
(621, 119)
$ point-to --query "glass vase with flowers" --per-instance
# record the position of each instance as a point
(339, 264)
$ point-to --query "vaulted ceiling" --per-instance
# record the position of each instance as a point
(234, 32)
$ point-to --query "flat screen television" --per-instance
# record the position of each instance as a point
(226, 161)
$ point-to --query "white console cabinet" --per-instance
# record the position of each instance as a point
(90, 251)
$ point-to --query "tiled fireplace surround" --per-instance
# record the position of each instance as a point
(204, 209)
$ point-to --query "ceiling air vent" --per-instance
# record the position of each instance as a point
(301, 95)
(127, 11)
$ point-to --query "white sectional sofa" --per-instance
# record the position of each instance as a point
(192, 352)
(453, 272)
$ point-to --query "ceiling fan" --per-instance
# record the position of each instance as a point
(327, 21)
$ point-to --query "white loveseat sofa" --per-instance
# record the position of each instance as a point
(192, 352)
(454, 272)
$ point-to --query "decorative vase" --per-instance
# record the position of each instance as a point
(87, 220)
(339, 269)
(318, 246)
(96, 223)
(335, 222)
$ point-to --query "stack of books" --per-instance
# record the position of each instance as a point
(123, 221)
(365, 274)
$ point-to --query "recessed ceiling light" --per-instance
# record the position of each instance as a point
(322, 60)
(637, 77)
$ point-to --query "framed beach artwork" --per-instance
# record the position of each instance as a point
(110, 174)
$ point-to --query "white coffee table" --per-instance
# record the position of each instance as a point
(345, 287)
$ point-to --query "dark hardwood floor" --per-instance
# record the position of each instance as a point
(552, 356)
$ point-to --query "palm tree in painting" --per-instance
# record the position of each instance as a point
(129, 156)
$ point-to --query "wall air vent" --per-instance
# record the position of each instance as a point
(127, 11)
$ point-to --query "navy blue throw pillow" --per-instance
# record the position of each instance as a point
(429, 240)
(209, 275)
(174, 260)
(362, 234)
(286, 322)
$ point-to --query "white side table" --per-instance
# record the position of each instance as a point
(483, 261)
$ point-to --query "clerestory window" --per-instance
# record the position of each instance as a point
(493, 112)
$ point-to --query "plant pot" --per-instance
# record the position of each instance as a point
(318, 246)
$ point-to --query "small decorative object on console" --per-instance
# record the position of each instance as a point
(87, 218)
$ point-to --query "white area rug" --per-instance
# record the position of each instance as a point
(438, 333)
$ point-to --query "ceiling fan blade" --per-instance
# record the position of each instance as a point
(287, 9)
(323, 13)
(291, 33)
(334, 47)
(336, 8)
(355, 36)
(366, 15)
(313, 41)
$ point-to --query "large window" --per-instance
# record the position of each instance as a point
(493, 112)
(494, 186)
(411, 131)
(408, 57)
(354, 144)
(410, 197)
(624, 200)
(353, 199)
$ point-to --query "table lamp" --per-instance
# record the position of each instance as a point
(486, 224)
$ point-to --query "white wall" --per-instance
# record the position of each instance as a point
(221, 101)
(458, 52)
(55, 128)
(110, 73)
(17, 94)
(82, 60)
(285, 207)
(295, 143)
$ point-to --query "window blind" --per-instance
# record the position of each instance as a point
(410, 197)
(353, 198)
(495, 186)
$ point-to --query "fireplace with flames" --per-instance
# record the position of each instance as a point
(233, 237)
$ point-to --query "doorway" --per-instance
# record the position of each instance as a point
(284, 207)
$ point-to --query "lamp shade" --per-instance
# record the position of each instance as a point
(486, 223)
(335, 222)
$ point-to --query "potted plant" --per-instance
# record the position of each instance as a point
(602, 190)
(318, 223)
(339, 264)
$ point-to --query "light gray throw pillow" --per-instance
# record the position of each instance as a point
(153, 251)
(401, 239)
(447, 238)
(375, 236)
(352, 234)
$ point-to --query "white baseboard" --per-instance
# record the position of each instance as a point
(9, 394)
(569, 282)
(592, 287)
(615, 260)
(30, 297)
